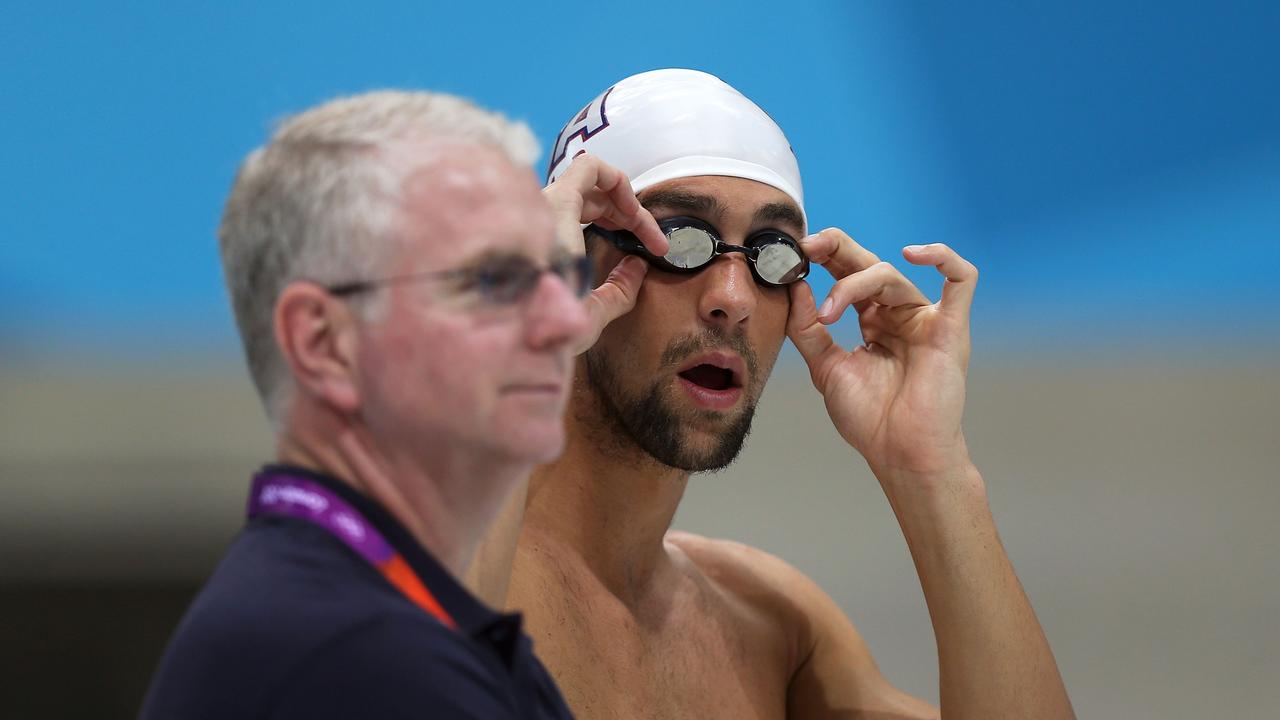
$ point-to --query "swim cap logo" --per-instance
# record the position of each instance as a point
(584, 125)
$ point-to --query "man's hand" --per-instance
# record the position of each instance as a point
(898, 398)
(592, 191)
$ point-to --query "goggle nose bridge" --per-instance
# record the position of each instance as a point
(629, 243)
(721, 247)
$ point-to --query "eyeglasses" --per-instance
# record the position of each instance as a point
(775, 258)
(506, 281)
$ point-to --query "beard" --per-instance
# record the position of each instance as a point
(651, 421)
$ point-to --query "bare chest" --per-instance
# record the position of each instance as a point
(703, 656)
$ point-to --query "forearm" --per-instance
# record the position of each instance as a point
(994, 660)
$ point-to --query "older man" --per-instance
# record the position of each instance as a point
(409, 316)
(637, 621)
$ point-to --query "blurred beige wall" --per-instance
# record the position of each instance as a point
(1135, 497)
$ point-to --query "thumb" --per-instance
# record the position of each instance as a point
(810, 336)
(613, 298)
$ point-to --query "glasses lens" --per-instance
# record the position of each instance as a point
(779, 263)
(575, 272)
(506, 281)
(690, 247)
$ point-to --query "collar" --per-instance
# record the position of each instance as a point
(501, 630)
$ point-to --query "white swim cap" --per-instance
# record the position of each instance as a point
(667, 124)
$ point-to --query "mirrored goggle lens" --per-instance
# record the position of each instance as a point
(779, 263)
(690, 247)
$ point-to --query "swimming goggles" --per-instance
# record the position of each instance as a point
(774, 257)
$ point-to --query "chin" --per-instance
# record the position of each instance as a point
(536, 448)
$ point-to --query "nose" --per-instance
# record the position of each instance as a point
(555, 316)
(728, 291)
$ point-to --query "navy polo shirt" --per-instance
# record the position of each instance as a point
(294, 624)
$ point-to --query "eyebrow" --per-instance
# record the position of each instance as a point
(495, 256)
(705, 205)
(774, 213)
(784, 213)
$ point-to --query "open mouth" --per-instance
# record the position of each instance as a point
(713, 380)
(713, 374)
(709, 376)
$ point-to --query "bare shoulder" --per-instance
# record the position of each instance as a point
(749, 573)
(832, 668)
(760, 577)
(774, 590)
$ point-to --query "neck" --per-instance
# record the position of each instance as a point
(608, 503)
(446, 506)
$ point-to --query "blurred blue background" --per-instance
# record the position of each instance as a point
(1114, 169)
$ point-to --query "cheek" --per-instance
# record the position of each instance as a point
(618, 345)
(635, 340)
(773, 310)
(604, 258)
(411, 364)
(770, 327)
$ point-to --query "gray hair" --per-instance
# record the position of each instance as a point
(320, 201)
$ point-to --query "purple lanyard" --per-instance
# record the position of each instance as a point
(277, 493)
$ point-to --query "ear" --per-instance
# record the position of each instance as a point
(316, 333)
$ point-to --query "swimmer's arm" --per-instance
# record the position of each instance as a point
(898, 400)
(830, 671)
(835, 676)
(993, 658)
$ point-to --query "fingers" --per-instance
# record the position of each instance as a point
(881, 283)
(961, 275)
(645, 227)
(625, 211)
(566, 203)
(837, 252)
(569, 233)
(810, 337)
(592, 190)
(613, 298)
(880, 325)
